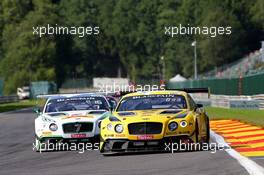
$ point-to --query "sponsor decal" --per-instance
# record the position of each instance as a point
(120, 135)
(77, 117)
(145, 137)
(46, 133)
(78, 135)
(156, 95)
(77, 98)
(145, 118)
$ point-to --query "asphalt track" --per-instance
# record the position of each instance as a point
(17, 157)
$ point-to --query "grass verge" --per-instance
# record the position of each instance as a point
(19, 105)
(255, 117)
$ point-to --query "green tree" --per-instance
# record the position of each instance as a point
(27, 55)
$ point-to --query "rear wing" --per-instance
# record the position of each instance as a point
(194, 90)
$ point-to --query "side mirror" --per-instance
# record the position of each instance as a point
(199, 105)
(112, 105)
(37, 110)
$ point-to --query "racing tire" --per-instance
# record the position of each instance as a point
(197, 141)
(106, 151)
(196, 132)
(38, 145)
(207, 140)
(102, 150)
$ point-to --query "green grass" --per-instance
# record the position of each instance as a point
(255, 117)
(19, 105)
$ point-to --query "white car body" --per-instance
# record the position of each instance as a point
(23, 93)
(78, 123)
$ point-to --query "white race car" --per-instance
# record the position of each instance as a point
(70, 118)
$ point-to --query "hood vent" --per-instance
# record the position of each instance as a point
(170, 112)
(96, 112)
(126, 113)
(57, 114)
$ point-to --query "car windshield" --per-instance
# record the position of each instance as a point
(25, 89)
(149, 102)
(77, 103)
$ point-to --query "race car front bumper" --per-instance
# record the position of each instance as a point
(125, 145)
(57, 139)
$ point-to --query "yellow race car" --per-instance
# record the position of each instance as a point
(150, 120)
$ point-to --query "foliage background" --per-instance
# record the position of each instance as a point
(131, 39)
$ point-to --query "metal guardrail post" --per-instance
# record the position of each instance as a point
(8, 99)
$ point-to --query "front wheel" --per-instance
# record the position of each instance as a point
(105, 148)
(198, 143)
(196, 132)
(38, 145)
(207, 140)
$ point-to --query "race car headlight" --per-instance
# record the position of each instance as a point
(53, 127)
(173, 126)
(183, 123)
(118, 128)
(110, 126)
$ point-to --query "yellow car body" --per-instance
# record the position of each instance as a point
(149, 129)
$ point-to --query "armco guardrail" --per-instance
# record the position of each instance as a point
(226, 101)
(8, 99)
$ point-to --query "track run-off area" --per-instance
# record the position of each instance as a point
(17, 156)
(248, 140)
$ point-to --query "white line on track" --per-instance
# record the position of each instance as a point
(252, 167)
